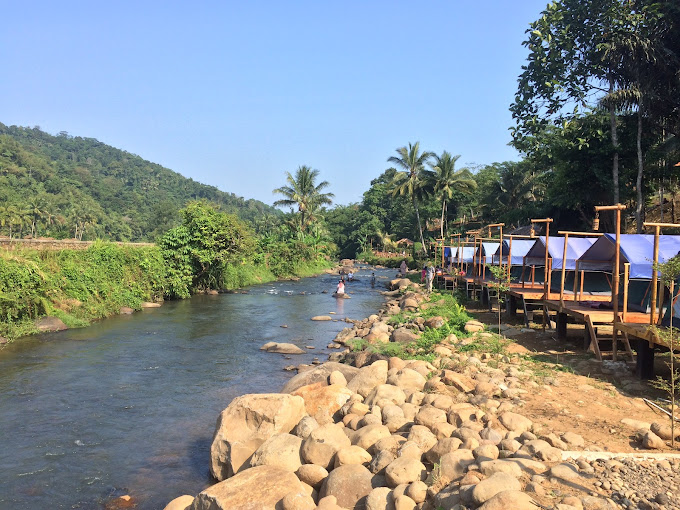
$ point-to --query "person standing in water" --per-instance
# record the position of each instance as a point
(403, 268)
(372, 279)
(341, 287)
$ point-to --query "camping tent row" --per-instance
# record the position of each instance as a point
(592, 257)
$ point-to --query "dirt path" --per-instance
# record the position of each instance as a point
(575, 392)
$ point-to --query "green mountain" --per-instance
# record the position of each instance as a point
(64, 186)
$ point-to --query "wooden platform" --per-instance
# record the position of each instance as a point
(645, 338)
(591, 318)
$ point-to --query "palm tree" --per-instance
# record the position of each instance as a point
(411, 180)
(445, 181)
(11, 215)
(303, 191)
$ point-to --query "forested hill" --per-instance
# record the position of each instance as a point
(64, 186)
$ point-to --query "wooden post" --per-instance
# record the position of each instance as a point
(564, 267)
(576, 278)
(509, 256)
(547, 221)
(617, 261)
(657, 232)
(626, 276)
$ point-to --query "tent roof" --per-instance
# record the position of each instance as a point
(576, 246)
(636, 249)
(520, 247)
(467, 253)
(488, 249)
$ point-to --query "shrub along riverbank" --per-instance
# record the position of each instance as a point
(210, 250)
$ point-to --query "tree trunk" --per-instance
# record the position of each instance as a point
(638, 209)
(441, 226)
(420, 228)
(615, 144)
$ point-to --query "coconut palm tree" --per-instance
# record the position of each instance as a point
(303, 191)
(411, 180)
(445, 181)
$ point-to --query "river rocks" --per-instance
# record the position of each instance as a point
(454, 465)
(282, 348)
(147, 305)
(380, 498)
(281, 450)
(651, 441)
(322, 444)
(407, 379)
(312, 475)
(386, 393)
(474, 326)
(352, 455)
(404, 470)
(350, 485)
(368, 378)
(126, 310)
(663, 431)
(488, 488)
(404, 336)
(48, 324)
(515, 422)
(322, 401)
(297, 501)
(565, 471)
(322, 317)
(257, 487)
(511, 499)
(248, 422)
(435, 322)
(319, 374)
(181, 503)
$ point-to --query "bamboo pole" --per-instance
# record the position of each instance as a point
(657, 232)
(626, 280)
(564, 267)
(617, 261)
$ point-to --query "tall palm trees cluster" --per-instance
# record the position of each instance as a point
(31, 215)
(417, 182)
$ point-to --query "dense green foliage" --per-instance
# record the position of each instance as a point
(76, 286)
(209, 250)
(72, 187)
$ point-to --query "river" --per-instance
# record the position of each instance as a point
(129, 404)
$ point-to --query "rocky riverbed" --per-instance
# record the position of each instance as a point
(463, 431)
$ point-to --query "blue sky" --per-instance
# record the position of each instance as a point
(236, 94)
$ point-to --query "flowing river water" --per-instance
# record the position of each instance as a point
(129, 404)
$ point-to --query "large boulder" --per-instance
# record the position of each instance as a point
(515, 422)
(322, 401)
(407, 379)
(404, 336)
(281, 450)
(255, 488)
(319, 374)
(350, 485)
(248, 422)
(404, 470)
(387, 392)
(180, 503)
(489, 487)
(50, 324)
(321, 445)
(517, 500)
(368, 378)
(282, 348)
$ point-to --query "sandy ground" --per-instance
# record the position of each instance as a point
(580, 394)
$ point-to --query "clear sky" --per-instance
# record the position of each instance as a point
(234, 94)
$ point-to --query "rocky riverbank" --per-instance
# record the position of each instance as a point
(469, 426)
